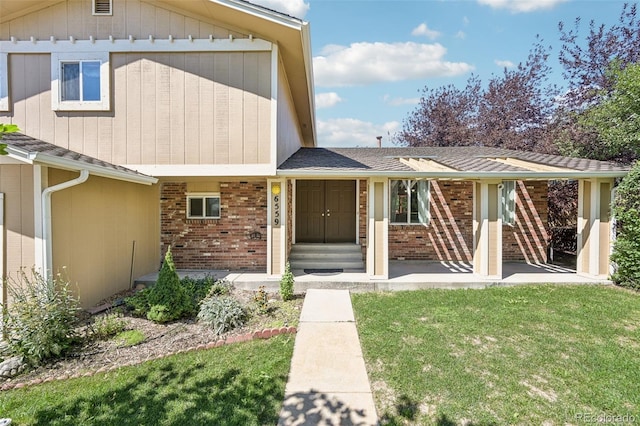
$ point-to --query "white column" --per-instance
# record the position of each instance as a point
(378, 229)
(487, 230)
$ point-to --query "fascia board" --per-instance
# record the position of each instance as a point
(67, 164)
(455, 175)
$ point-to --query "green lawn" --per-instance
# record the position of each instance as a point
(519, 355)
(239, 384)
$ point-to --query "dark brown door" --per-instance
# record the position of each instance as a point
(325, 211)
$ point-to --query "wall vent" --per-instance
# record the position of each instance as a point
(103, 7)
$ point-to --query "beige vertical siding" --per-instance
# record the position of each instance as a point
(160, 102)
(16, 182)
(586, 231)
(130, 17)
(94, 226)
(379, 229)
(166, 108)
(289, 136)
(494, 240)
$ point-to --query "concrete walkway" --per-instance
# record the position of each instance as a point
(328, 383)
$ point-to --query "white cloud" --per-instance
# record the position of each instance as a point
(517, 6)
(465, 20)
(400, 101)
(295, 8)
(327, 100)
(461, 35)
(347, 132)
(504, 63)
(367, 63)
(424, 30)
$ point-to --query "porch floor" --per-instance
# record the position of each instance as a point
(403, 275)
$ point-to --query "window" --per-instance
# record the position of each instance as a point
(80, 81)
(509, 202)
(409, 201)
(203, 206)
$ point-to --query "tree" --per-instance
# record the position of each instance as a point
(6, 128)
(626, 249)
(616, 119)
(586, 62)
(511, 112)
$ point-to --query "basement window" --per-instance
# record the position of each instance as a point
(80, 81)
(509, 202)
(203, 206)
(102, 7)
(409, 201)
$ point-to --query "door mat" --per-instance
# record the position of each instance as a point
(322, 271)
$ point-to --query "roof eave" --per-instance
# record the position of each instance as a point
(456, 175)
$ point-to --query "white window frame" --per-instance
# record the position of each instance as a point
(427, 202)
(508, 200)
(203, 196)
(57, 59)
(93, 9)
(4, 81)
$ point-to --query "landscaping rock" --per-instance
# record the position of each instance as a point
(12, 367)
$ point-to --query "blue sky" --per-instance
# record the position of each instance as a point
(372, 58)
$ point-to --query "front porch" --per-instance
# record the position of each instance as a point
(403, 275)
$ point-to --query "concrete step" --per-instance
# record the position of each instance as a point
(326, 256)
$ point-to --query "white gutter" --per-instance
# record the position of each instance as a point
(47, 247)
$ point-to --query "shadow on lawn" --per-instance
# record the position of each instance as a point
(169, 395)
(407, 413)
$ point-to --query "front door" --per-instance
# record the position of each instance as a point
(325, 211)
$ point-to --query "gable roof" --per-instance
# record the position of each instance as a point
(34, 151)
(444, 163)
(291, 35)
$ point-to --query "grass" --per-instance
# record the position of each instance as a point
(130, 337)
(235, 384)
(520, 355)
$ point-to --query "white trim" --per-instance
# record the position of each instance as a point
(293, 210)
(580, 228)
(612, 226)
(471, 176)
(283, 226)
(594, 232)
(226, 170)
(203, 196)
(132, 45)
(371, 242)
(262, 13)
(4, 82)
(499, 226)
(308, 64)
(484, 226)
(357, 211)
(57, 59)
(275, 61)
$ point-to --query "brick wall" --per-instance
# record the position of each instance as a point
(223, 243)
(528, 238)
(448, 236)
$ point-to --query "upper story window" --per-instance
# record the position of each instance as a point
(509, 202)
(409, 201)
(80, 81)
(203, 206)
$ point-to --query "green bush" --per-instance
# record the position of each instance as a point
(222, 313)
(108, 325)
(626, 249)
(41, 318)
(286, 283)
(220, 288)
(160, 314)
(261, 299)
(139, 302)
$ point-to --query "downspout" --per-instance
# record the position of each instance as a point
(46, 218)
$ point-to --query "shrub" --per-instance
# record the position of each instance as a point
(286, 283)
(41, 318)
(626, 249)
(222, 313)
(139, 302)
(220, 288)
(197, 289)
(261, 299)
(169, 293)
(160, 314)
(108, 325)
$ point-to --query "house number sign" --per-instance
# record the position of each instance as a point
(276, 204)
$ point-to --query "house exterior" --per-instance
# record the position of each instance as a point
(147, 124)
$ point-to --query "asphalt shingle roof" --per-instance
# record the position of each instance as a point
(28, 145)
(461, 159)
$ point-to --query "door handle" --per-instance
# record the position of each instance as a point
(322, 214)
(328, 214)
